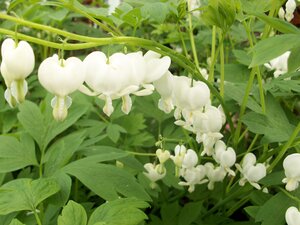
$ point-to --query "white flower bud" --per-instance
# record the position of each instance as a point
(214, 174)
(193, 176)
(180, 152)
(162, 156)
(250, 172)
(291, 165)
(292, 216)
(190, 159)
(154, 173)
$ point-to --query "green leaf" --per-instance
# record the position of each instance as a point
(107, 181)
(256, 5)
(59, 153)
(236, 91)
(156, 11)
(273, 211)
(294, 60)
(274, 124)
(25, 194)
(124, 211)
(278, 24)
(189, 213)
(72, 214)
(43, 128)
(65, 183)
(16, 154)
(272, 47)
(113, 132)
(132, 123)
(32, 120)
(282, 87)
(16, 222)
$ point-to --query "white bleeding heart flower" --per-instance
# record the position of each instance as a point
(288, 13)
(154, 173)
(190, 159)
(214, 174)
(279, 64)
(193, 176)
(226, 157)
(17, 64)
(162, 155)
(156, 66)
(107, 77)
(180, 152)
(164, 86)
(292, 216)
(61, 77)
(251, 171)
(291, 165)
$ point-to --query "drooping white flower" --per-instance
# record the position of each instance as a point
(162, 155)
(17, 64)
(120, 75)
(251, 171)
(193, 176)
(164, 86)
(190, 159)
(180, 152)
(288, 13)
(292, 216)
(61, 77)
(109, 77)
(279, 64)
(214, 174)
(291, 165)
(154, 172)
(226, 157)
(207, 126)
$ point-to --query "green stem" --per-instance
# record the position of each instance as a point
(213, 54)
(243, 107)
(37, 218)
(289, 195)
(261, 90)
(222, 66)
(285, 147)
(141, 153)
(191, 34)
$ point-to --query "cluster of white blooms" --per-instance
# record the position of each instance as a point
(291, 165)
(193, 109)
(120, 75)
(288, 13)
(251, 171)
(17, 64)
(108, 78)
(292, 216)
(187, 167)
(279, 64)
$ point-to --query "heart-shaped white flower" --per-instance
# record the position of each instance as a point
(291, 165)
(17, 63)
(61, 77)
(292, 216)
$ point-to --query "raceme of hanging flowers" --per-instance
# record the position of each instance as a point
(121, 75)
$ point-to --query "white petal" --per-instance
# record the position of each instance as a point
(292, 216)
